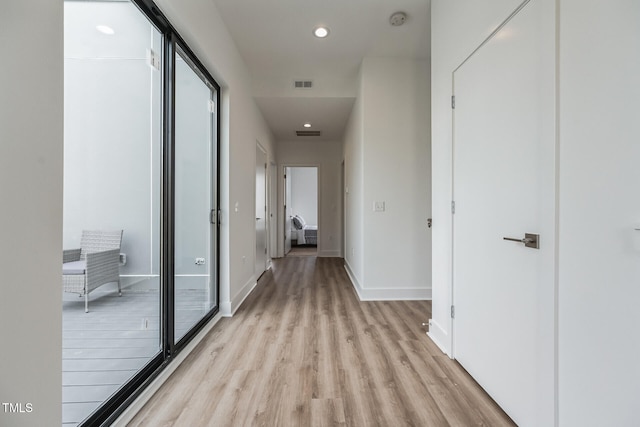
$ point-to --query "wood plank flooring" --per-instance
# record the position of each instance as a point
(305, 250)
(302, 350)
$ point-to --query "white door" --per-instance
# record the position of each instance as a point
(504, 187)
(273, 202)
(288, 213)
(261, 211)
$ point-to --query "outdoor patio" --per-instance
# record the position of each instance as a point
(102, 349)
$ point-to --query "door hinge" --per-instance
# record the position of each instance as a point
(453, 207)
(453, 102)
(453, 312)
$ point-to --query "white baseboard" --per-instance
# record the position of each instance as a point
(228, 308)
(225, 309)
(439, 336)
(329, 254)
(128, 414)
(352, 277)
(386, 294)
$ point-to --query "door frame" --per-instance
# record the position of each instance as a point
(266, 210)
(281, 213)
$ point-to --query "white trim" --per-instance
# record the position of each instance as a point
(229, 308)
(131, 411)
(394, 294)
(386, 294)
(438, 336)
(352, 277)
(267, 210)
(334, 253)
(225, 309)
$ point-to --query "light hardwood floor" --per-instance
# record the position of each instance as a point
(302, 350)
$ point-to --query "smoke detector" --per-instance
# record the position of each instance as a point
(397, 19)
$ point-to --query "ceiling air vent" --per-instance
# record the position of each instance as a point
(307, 133)
(303, 84)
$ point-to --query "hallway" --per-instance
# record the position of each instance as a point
(302, 350)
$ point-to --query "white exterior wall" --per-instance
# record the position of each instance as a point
(112, 173)
(31, 153)
(200, 24)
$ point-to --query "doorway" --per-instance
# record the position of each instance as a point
(301, 210)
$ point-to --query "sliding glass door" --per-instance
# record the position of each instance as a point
(112, 189)
(195, 184)
(141, 189)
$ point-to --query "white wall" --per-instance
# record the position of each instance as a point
(457, 28)
(31, 152)
(304, 193)
(599, 344)
(392, 121)
(327, 157)
(354, 191)
(200, 24)
(112, 131)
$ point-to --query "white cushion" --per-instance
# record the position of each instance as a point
(74, 267)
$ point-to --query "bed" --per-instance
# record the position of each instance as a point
(304, 233)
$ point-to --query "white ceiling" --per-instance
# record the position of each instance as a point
(275, 39)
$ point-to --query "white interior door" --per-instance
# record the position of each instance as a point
(504, 187)
(261, 211)
(273, 203)
(288, 213)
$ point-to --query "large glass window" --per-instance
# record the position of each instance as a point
(140, 202)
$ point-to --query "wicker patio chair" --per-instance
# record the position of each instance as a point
(96, 263)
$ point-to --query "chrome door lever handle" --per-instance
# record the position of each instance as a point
(530, 240)
(514, 240)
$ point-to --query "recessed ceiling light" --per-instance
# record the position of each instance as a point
(104, 29)
(321, 32)
(307, 125)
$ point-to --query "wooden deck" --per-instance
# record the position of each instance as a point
(104, 348)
